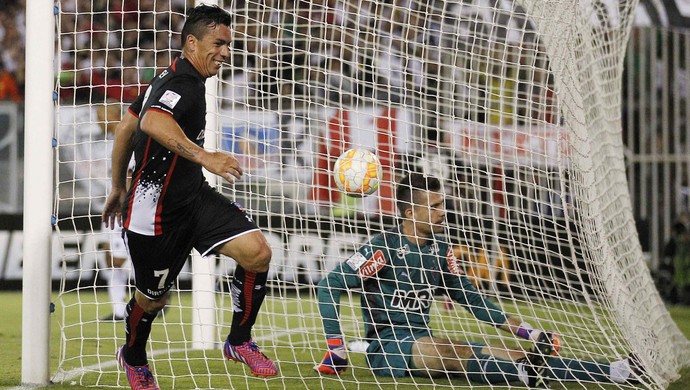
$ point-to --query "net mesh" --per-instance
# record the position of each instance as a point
(514, 105)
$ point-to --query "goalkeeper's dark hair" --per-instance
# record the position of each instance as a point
(202, 18)
(404, 192)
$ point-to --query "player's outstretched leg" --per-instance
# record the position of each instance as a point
(530, 370)
(139, 377)
(534, 366)
(249, 354)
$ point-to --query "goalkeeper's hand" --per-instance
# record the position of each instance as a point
(546, 343)
(335, 360)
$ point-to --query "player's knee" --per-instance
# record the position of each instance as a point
(263, 258)
(158, 305)
(151, 306)
(260, 260)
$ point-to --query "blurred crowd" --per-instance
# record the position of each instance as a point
(419, 53)
(12, 31)
(110, 49)
(441, 59)
(295, 53)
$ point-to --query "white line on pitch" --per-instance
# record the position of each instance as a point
(74, 373)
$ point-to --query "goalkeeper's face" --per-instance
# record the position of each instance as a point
(429, 213)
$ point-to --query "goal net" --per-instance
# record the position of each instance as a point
(514, 104)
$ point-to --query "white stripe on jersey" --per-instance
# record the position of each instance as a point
(143, 210)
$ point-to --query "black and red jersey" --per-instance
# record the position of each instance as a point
(164, 183)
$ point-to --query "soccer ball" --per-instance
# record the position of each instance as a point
(357, 172)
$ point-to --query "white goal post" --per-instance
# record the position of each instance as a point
(38, 166)
(514, 104)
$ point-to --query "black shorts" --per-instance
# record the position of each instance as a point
(213, 220)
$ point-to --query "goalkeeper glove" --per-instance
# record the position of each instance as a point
(335, 360)
(546, 343)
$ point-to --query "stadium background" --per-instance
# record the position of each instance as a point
(656, 101)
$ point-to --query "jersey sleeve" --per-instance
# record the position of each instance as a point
(137, 105)
(460, 289)
(175, 98)
(350, 274)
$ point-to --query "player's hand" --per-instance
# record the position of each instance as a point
(114, 205)
(223, 164)
(334, 361)
(547, 343)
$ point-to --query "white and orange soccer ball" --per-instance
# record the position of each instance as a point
(357, 172)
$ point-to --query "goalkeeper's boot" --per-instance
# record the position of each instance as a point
(334, 362)
(532, 369)
(249, 354)
(535, 362)
(139, 378)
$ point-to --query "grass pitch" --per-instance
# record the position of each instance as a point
(296, 349)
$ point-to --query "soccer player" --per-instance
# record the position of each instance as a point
(117, 275)
(87, 145)
(170, 208)
(119, 265)
(398, 272)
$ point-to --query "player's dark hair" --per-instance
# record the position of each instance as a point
(202, 18)
(404, 193)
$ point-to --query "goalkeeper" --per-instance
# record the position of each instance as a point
(398, 272)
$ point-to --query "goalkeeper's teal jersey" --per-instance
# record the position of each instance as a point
(398, 280)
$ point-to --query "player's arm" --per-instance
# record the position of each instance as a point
(486, 310)
(343, 277)
(461, 289)
(123, 146)
(162, 127)
(329, 292)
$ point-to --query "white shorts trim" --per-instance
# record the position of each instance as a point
(153, 298)
(226, 240)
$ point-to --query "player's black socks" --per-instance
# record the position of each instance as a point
(137, 329)
(248, 292)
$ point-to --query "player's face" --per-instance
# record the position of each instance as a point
(212, 50)
(429, 213)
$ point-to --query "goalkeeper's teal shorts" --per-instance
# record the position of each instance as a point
(391, 354)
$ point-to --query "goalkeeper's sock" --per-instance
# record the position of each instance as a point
(492, 370)
(137, 329)
(248, 292)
